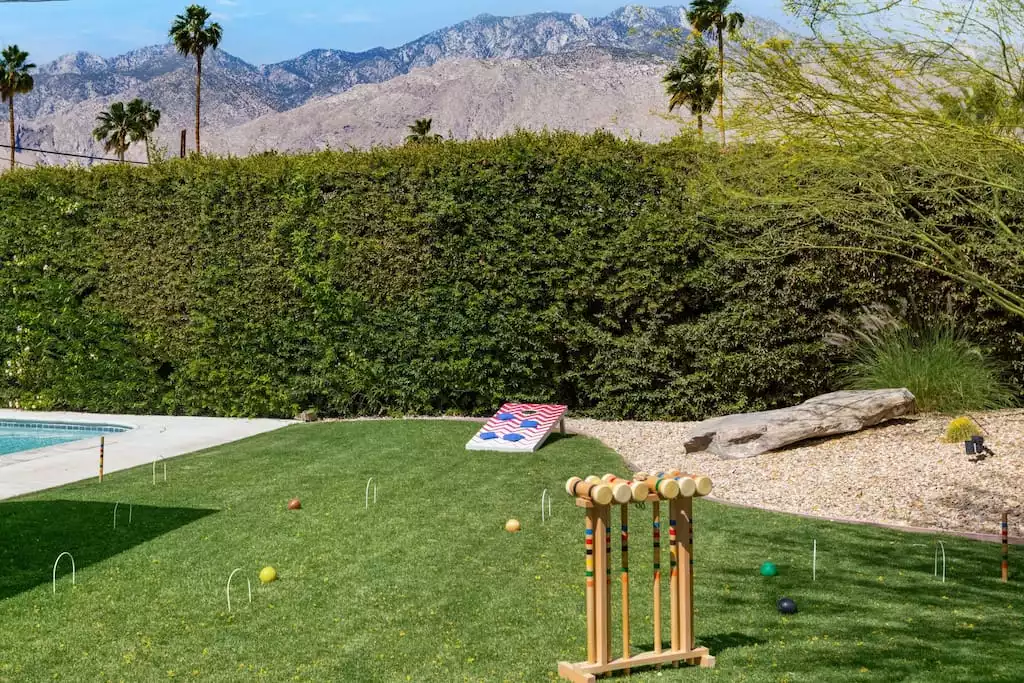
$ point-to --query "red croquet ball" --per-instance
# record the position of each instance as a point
(294, 504)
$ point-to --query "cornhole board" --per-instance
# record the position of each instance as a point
(518, 428)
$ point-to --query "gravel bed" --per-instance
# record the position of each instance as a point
(900, 473)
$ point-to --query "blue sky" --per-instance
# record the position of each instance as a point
(267, 31)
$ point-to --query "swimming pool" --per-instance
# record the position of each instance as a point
(26, 435)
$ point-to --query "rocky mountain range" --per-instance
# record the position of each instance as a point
(582, 90)
(481, 77)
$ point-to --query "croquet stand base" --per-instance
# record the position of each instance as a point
(587, 672)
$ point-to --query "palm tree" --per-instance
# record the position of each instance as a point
(420, 132)
(115, 129)
(692, 82)
(14, 79)
(193, 37)
(145, 119)
(713, 17)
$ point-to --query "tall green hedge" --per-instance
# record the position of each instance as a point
(446, 278)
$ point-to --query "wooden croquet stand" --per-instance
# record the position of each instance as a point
(598, 593)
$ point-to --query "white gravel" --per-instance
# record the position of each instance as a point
(900, 473)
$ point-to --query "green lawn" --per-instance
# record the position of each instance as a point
(427, 586)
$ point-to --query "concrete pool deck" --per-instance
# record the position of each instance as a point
(150, 438)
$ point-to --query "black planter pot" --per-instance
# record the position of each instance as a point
(976, 446)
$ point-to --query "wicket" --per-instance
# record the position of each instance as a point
(597, 496)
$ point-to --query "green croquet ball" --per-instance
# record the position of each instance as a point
(769, 569)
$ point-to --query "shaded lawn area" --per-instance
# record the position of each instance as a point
(427, 586)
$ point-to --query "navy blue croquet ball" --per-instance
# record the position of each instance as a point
(786, 606)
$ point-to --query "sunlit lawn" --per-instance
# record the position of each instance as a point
(427, 586)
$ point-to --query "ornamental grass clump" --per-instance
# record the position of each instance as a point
(961, 429)
(943, 369)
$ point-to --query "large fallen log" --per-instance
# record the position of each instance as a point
(749, 434)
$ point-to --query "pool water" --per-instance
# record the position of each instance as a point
(25, 435)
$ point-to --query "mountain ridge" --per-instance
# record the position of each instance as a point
(583, 90)
(72, 89)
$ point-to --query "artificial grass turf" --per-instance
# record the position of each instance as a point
(427, 586)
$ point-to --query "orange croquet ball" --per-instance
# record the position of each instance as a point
(512, 526)
(294, 504)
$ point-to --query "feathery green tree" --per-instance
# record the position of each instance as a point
(985, 102)
(875, 88)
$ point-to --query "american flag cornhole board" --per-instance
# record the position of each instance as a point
(518, 428)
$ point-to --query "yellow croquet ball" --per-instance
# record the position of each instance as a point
(268, 574)
(512, 526)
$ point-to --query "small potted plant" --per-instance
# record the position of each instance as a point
(964, 429)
